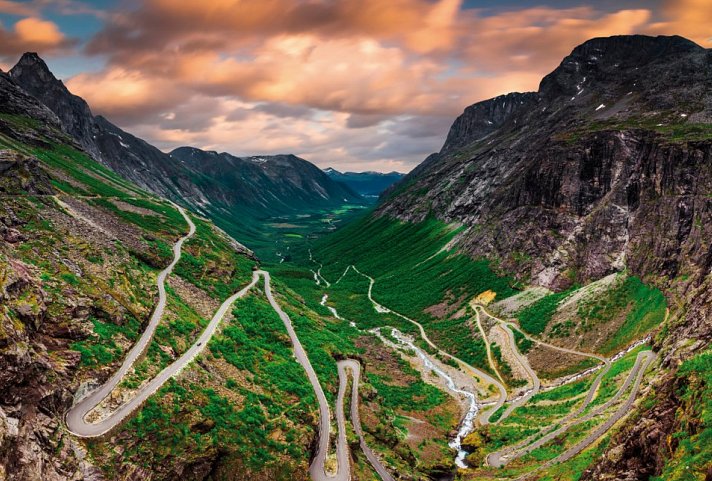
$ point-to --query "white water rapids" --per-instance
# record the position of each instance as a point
(467, 423)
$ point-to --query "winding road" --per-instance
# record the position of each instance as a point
(75, 417)
(503, 457)
(484, 414)
(355, 368)
(316, 469)
(522, 360)
(573, 419)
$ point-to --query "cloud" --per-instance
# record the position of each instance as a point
(17, 8)
(128, 96)
(33, 34)
(690, 18)
(340, 81)
(38, 32)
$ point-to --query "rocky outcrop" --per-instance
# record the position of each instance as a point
(569, 176)
(32, 444)
(20, 174)
(32, 73)
(483, 118)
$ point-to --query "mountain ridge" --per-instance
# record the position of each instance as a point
(606, 169)
(189, 184)
(369, 183)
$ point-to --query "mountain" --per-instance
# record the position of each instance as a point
(123, 153)
(245, 195)
(603, 173)
(367, 184)
(236, 192)
(80, 253)
(548, 273)
(574, 175)
(266, 185)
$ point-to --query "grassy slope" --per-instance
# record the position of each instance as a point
(691, 458)
(261, 420)
(640, 307)
(413, 273)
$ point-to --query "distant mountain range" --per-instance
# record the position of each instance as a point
(238, 193)
(367, 184)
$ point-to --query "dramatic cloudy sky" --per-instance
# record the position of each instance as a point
(355, 84)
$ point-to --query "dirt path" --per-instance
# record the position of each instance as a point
(488, 347)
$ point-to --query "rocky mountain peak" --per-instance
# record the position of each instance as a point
(31, 64)
(634, 49)
(480, 119)
(35, 77)
(618, 59)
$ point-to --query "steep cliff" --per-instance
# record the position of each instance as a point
(606, 168)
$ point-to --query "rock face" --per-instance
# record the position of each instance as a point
(21, 174)
(32, 73)
(608, 166)
(578, 175)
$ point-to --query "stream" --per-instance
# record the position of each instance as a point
(467, 424)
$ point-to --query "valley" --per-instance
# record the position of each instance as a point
(530, 303)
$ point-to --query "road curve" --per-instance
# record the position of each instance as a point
(75, 416)
(485, 414)
(543, 343)
(316, 469)
(355, 368)
(536, 383)
(621, 412)
(642, 361)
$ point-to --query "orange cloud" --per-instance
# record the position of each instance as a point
(537, 39)
(32, 34)
(35, 31)
(125, 94)
(361, 65)
(690, 18)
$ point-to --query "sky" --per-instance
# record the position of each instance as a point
(352, 84)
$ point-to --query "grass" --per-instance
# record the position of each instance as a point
(167, 220)
(615, 377)
(646, 310)
(103, 348)
(691, 457)
(413, 273)
(415, 396)
(668, 125)
(209, 262)
(535, 318)
(525, 345)
(98, 179)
